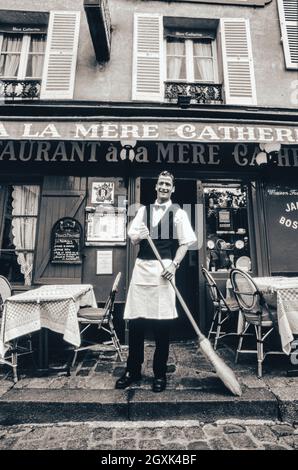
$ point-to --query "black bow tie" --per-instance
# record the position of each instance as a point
(160, 206)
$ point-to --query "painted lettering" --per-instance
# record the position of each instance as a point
(91, 133)
(186, 131)
(150, 131)
(165, 152)
(110, 131)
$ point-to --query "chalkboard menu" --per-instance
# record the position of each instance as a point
(281, 203)
(66, 241)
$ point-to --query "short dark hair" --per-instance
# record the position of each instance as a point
(167, 173)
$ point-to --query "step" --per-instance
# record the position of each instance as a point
(45, 405)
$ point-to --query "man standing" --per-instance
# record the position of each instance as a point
(151, 298)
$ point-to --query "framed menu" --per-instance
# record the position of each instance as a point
(106, 226)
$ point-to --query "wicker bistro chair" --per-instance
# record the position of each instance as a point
(256, 312)
(15, 349)
(103, 318)
(223, 309)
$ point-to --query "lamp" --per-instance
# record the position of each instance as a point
(265, 156)
(184, 101)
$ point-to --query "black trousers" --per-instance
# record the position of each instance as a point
(161, 332)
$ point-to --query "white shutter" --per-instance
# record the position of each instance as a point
(60, 55)
(147, 80)
(288, 15)
(238, 68)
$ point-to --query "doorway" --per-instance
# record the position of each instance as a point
(187, 274)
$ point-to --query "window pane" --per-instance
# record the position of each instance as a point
(34, 66)
(9, 65)
(10, 55)
(176, 60)
(227, 227)
(175, 47)
(202, 48)
(12, 43)
(36, 57)
(38, 43)
(176, 67)
(204, 70)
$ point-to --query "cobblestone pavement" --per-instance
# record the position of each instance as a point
(152, 435)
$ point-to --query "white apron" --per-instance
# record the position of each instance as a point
(149, 295)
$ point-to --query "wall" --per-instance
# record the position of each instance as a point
(112, 81)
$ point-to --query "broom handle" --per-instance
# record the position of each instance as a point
(179, 296)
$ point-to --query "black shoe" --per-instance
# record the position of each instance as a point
(127, 379)
(159, 384)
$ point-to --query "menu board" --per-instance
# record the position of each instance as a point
(281, 203)
(66, 242)
(106, 226)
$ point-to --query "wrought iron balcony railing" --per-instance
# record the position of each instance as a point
(19, 89)
(198, 92)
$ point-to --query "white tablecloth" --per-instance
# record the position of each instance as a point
(281, 293)
(53, 306)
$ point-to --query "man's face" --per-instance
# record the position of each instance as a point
(164, 188)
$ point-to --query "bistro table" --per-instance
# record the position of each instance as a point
(281, 293)
(51, 306)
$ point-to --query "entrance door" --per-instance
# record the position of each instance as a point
(187, 274)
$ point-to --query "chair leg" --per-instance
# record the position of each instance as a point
(74, 358)
(115, 340)
(14, 364)
(218, 328)
(259, 350)
(241, 336)
(212, 325)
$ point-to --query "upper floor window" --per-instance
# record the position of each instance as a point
(22, 56)
(191, 60)
(175, 59)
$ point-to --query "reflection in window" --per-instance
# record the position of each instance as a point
(227, 235)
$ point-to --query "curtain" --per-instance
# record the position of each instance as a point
(203, 62)
(24, 219)
(176, 60)
(9, 62)
(37, 48)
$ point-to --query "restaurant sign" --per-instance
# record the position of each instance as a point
(214, 155)
(148, 131)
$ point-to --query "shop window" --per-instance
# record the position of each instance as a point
(22, 55)
(19, 233)
(227, 237)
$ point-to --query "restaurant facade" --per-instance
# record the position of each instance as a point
(100, 96)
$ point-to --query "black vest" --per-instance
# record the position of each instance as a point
(164, 234)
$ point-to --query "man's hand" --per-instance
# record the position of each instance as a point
(169, 272)
(143, 231)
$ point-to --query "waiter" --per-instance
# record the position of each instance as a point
(151, 298)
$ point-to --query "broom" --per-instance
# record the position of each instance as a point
(223, 371)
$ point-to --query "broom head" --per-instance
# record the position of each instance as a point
(222, 370)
